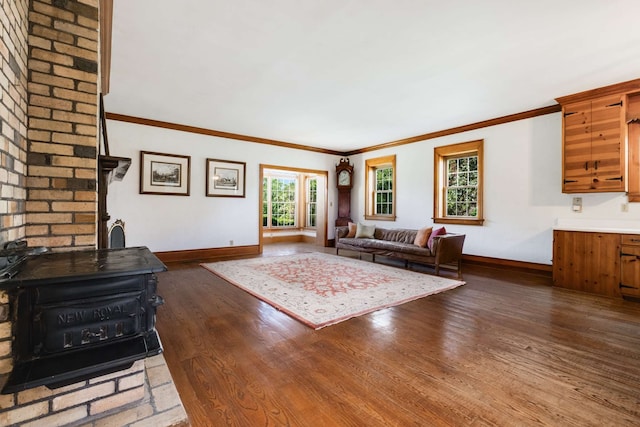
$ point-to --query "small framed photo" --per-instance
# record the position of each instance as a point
(225, 178)
(162, 173)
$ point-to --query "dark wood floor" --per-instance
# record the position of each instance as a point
(506, 349)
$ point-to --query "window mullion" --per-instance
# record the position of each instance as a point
(458, 183)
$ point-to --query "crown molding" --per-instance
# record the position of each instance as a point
(556, 108)
(459, 129)
(615, 89)
(220, 134)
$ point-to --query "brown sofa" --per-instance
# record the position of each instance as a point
(446, 249)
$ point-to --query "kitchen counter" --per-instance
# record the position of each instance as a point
(598, 226)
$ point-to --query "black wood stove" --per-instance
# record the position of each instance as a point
(80, 314)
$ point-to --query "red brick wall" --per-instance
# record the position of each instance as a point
(61, 208)
(48, 180)
(13, 118)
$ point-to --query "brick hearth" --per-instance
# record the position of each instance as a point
(49, 86)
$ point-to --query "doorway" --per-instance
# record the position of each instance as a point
(293, 205)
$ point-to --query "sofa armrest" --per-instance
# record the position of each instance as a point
(448, 248)
(341, 232)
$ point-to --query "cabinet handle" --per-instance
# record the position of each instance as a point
(617, 178)
(596, 164)
(570, 180)
(637, 257)
(586, 166)
(617, 104)
(635, 240)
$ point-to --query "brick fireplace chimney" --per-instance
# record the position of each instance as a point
(49, 146)
(62, 130)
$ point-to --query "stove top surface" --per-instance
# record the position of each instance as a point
(56, 267)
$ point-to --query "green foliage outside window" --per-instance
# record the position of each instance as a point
(462, 186)
(279, 202)
(265, 202)
(384, 191)
(312, 204)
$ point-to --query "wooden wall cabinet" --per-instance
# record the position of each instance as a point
(594, 155)
(633, 140)
(587, 261)
(601, 140)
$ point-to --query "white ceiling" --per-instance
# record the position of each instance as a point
(350, 74)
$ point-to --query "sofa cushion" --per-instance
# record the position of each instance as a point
(380, 246)
(436, 232)
(365, 231)
(422, 237)
(396, 235)
(352, 229)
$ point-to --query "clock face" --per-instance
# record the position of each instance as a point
(344, 178)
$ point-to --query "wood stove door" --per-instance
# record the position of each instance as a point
(73, 325)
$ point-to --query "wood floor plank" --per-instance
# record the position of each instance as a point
(505, 349)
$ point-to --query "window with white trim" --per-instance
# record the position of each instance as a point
(312, 202)
(279, 207)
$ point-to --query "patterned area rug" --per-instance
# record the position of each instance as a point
(321, 289)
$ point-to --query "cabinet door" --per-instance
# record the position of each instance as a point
(588, 262)
(633, 136)
(607, 154)
(630, 270)
(630, 265)
(576, 147)
(593, 154)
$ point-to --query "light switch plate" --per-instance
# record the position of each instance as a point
(576, 206)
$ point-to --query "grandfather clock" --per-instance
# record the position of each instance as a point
(344, 172)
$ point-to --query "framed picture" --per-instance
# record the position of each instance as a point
(164, 173)
(225, 178)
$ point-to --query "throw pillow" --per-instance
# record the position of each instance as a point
(422, 237)
(436, 232)
(352, 230)
(365, 231)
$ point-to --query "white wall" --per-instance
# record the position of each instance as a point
(523, 198)
(168, 223)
